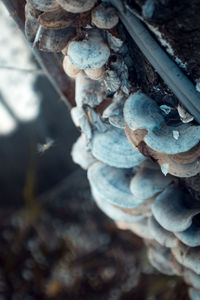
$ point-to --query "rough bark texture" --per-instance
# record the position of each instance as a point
(179, 24)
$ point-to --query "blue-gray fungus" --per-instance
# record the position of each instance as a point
(133, 149)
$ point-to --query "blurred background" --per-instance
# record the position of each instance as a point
(54, 242)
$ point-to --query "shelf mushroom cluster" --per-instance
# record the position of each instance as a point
(128, 145)
(175, 147)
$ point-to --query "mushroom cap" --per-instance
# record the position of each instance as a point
(80, 154)
(104, 16)
(140, 228)
(190, 236)
(188, 257)
(113, 148)
(121, 214)
(44, 5)
(162, 236)
(90, 53)
(77, 6)
(173, 211)
(191, 278)
(189, 136)
(114, 212)
(148, 181)
(87, 91)
(159, 257)
(112, 184)
(69, 68)
(194, 294)
(141, 112)
(176, 266)
(185, 164)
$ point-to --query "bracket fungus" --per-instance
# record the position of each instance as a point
(116, 213)
(159, 257)
(173, 210)
(162, 236)
(140, 228)
(141, 112)
(146, 130)
(90, 53)
(188, 257)
(115, 183)
(191, 236)
(104, 16)
(113, 148)
(121, 128)
(149, 181)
